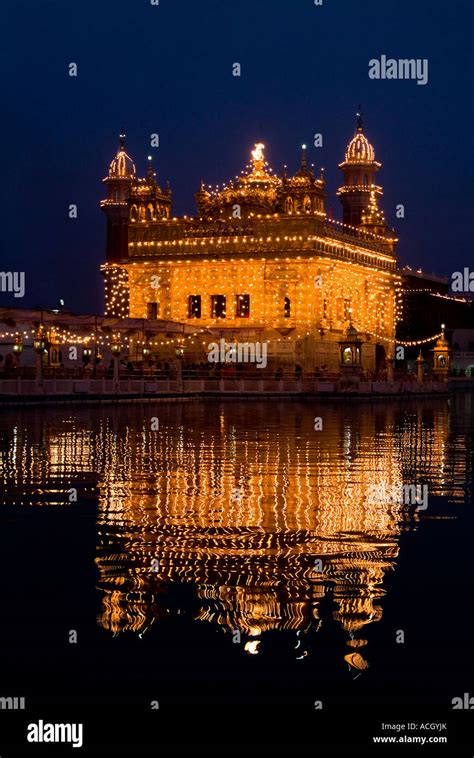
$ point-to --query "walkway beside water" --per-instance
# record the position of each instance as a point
(102, 390)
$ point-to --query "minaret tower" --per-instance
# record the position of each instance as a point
(359, 168)
(118, 183)
(115, 206)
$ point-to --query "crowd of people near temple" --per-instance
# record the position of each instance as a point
(157, 369)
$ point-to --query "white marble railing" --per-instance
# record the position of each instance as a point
(149, 387)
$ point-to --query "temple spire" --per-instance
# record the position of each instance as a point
(304, 163)
(359, 120)
(258, 157)
(150, 168)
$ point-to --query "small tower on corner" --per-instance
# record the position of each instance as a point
(359, 168)
(303, 193)
(115, 206)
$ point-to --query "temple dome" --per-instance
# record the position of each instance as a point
(359, 149)
(254, 189)
(122, 166)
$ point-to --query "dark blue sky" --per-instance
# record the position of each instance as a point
(168, 69)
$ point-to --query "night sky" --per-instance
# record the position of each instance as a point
(168, 69)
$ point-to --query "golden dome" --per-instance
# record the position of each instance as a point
(255, 188)
(122, 166)
(359, 149)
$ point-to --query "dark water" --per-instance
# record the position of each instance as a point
(230, 568)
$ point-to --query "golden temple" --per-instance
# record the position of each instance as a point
(261, 260)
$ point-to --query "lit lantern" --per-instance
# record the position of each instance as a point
(116, 346)
(39, 340)
(86, 352)
(18, 345)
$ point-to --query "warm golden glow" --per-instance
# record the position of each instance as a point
(257, 156)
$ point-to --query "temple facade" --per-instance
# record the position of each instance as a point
(260, 261)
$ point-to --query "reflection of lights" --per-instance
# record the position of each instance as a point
(251, 563)
(356, 643)
(356, 661)
(252, 647)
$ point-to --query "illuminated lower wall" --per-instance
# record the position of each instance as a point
(324, 297)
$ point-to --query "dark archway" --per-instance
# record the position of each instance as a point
(380, 357)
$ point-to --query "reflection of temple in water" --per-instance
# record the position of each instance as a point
(263, 526)
(265, 520)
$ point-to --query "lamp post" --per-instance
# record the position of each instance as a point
(86, 353)
(18, 347)
(95, 352)
(116, 348)
(146, 352)
(389, 361)
(179, 352)
(39, 344)
(419, 368)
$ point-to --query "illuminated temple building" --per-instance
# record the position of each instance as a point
(260, 261)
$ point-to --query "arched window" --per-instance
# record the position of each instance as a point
(307, 204)
(134, 213)
(366, 180)
(289, 205)
(287, 307)
(149, 213)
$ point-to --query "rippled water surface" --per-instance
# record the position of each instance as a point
(243, 535)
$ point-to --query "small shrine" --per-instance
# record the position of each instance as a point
(441, 356)
(350, 352)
